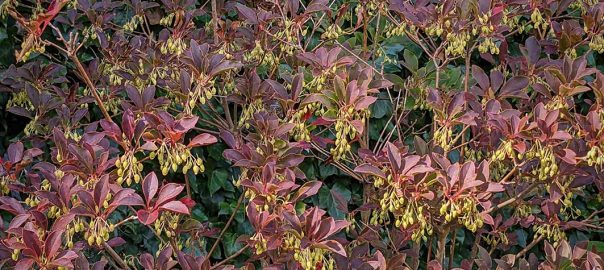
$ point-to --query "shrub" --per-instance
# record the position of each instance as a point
(302, 134)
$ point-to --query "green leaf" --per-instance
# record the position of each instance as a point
(395, 79)
(225, 209)
(327, 170)
(193, 181)
(411, 62)
(309, 169)
(199, 214)
(335, 200)
(300, 207)
(231, 244)
(381, 107)
(598, 245)
(215, 151)
(522, 235)
(218, 180)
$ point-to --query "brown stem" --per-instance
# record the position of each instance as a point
(508, 175)
(338, 164)
(359, 58)
(452, 249)
(442, 238)
(207, 131)
(466, 88)
(227, 112)
(226, 226)
(364, 34)
(467, 75)
(230, 257)
(90, 85)
(71, 51)
(125, 220)
(519, 196)
(115, 256)
(531, 245)
(437, 79)
(215, 21)
(110, 262)
(594, 214)
(429, 249)
(475, 246)
(188, 186)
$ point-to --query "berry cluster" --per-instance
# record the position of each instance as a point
(128, 169)
(314, 258)
(173, 45)
(301, 130)
(595, 156)
(167, 223)
(457, 43)
(547, 162)
(597, 43)
(538, 21)
(465, 211)
(175, 155)
(551, 231)
(97, 231)
(442, 137)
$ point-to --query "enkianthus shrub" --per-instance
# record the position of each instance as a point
(314, 134)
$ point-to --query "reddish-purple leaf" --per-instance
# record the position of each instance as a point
(52, 244)
(175, 206)
(370, 169)
(24, 264)
(481, 77)
(146, 217)
(127, 197)
(128, 124)
(168, 192)
(147, 261)
(495, 187)
(308, 189)
(514, 86)
(316, 6)
(334, 246)
(101, 190)
(202, 139)
(32, 242)
(116, 242)
(150, 186)
(186, 123)
(18, 220)
(65, 259)
(15, 152)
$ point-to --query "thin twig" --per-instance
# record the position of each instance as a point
(215, 21)
(359, 58)
(115, 256)
(441, 244)
(226, 226)
(594, 214)
(130, 218)
(518, 196)
(230, 257)
(227, 112)
(452, 248)
(72, 54)
(531, 245)
(188, 186)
